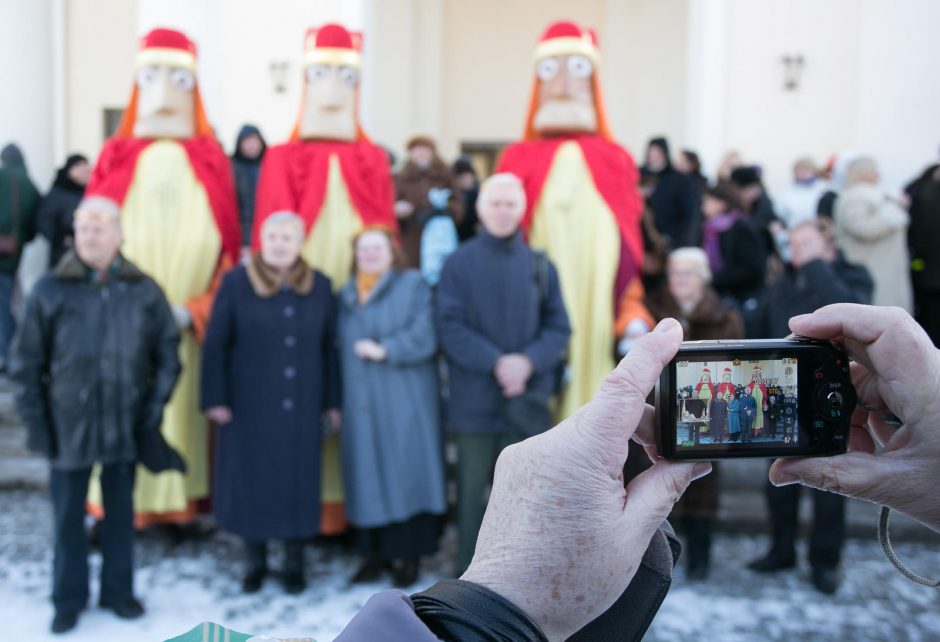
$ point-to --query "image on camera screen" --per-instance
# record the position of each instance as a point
(736, 402)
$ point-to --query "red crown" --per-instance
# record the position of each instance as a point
(167, 47)
(333, 44)
(567, 38)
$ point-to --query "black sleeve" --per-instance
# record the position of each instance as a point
(850, 285)
(164, 359)
(748, 261)
(220, 335)
(458, 610)
(29, 370)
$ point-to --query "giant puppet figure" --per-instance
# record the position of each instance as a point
(180, 225)
(584, 209)
(336, 179)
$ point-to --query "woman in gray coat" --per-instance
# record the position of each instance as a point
(393, 468)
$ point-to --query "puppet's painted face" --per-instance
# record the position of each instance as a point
(565, 96)
(756, 375)
(330, 102)
(166, 104)
(706, 378)
(726, 377)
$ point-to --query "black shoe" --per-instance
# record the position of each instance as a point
(405, 573)
(253, 580)
(772, 562)
(698, 573)
(64, 621)
(130, 610)
(370, 571)
(294, 583)
(826, 580)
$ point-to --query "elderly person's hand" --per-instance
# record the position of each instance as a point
(898, 369)
(562, 538)
(369, 350)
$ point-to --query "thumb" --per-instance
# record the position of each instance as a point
(652, 494)
(855, 474)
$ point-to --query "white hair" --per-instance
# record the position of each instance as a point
(694, 255)
(284, 217)
(860, 170)
(99, 205)
(504, 179)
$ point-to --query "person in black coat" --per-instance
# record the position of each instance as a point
(736, 253)
(55, 214)
(817, 276)
(95, 360)
(674, 199)
(269, 379)
(246, 166)
(469, 183)
(922, 235)
(503, 327)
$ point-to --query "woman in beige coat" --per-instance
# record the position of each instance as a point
(871, 230)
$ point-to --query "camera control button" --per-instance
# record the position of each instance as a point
(835, 400)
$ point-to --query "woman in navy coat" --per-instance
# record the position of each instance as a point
(269, 375)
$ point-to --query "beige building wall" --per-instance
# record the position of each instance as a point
(99, 44)
(706, 73)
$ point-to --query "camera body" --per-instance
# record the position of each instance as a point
(733, 399)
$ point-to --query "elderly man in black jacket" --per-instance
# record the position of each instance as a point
(817, 276)
(504, 330)
(95, 361)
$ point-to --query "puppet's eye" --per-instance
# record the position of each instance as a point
(349, 75)
(146, 76)
(579, 66)
(183, 79)
(317, 72)
(546, 68)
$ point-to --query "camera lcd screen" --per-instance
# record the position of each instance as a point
(738, 404)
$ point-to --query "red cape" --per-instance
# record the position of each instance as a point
(294, 177)
(725, 387)
(709, 385)
(615, 177)
(118, 159)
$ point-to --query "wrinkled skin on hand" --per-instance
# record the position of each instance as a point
(896, 369)
(562, 537)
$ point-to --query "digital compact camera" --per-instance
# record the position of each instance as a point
(788, 397)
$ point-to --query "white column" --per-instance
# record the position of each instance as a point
(26, 69)
(706, 89)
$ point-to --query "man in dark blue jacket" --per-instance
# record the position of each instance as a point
(504, 330)
(817, 276)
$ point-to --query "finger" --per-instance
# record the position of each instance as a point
(860, 440)
(854, 474)
(645, 434)
(880, 430)
(866, 387)
(612, 416)
(886, 340)
(652, 494)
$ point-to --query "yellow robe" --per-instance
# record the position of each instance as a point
(578, 231)
(170, 233)
(329, 249)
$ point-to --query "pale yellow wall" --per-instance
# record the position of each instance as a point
(488, 68)
(774, 126)
(100, 41)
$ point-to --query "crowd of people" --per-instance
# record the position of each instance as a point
(372, 309)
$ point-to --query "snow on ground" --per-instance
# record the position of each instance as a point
(185, 584)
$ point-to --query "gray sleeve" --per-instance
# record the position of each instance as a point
(387, 616)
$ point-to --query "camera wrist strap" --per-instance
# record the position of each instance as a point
(885, 541)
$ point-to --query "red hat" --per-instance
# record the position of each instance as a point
(565, 38)
(333, 44)
(726, 371)
(167, 47)
(706, 371)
